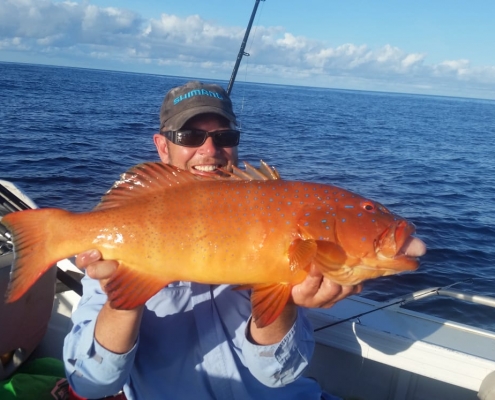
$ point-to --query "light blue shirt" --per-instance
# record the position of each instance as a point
(192, 345)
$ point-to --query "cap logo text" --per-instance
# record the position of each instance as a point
(197, 92)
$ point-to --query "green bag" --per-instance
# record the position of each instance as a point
(40, 379)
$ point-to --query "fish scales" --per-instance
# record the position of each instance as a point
(163, 224)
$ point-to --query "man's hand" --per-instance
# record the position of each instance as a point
(95, 267)
(314, 291)
(116, 330)
(318, 291)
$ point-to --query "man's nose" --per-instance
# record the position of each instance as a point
(208, 147)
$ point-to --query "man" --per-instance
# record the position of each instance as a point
(193, 341)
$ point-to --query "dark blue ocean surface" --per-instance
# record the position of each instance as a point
(67, 134)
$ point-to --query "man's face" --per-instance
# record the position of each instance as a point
(205, 158)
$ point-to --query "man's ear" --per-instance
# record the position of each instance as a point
(162, 147)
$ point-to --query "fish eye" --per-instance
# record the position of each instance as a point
(368, 206)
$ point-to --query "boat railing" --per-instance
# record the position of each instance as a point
(446, 292)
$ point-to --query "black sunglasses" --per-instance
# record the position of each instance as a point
(196, 137)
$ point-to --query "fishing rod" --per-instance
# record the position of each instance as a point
(402, 301)
(243, 46)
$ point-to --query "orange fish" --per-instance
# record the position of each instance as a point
(164, 224)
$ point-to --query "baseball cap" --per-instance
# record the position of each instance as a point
(184, 102)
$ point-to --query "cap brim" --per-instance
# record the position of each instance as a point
(178, 121)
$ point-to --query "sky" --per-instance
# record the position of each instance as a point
(431, 47)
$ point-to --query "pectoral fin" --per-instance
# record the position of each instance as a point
(301, 253)
(329, 256)
(128, 288)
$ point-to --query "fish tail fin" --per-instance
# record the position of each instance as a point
(268, 301)
(33, 255)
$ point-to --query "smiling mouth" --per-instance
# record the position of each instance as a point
(206, 168)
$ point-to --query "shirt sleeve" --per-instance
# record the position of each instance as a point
(91, 370)
(281, 363)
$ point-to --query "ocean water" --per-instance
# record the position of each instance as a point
(67, 134)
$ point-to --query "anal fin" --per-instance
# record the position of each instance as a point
(128, 288)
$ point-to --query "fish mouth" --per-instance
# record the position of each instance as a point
(397, 244)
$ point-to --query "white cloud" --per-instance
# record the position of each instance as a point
(67, 23)
(412, 60)
(15, 42)
(68, 29)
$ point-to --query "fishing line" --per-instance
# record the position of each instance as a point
(247, 54)
(400, 301)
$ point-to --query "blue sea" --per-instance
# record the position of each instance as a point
(67, 134)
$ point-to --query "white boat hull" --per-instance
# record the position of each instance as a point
(398, 354)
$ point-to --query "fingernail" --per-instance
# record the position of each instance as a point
(93, 256)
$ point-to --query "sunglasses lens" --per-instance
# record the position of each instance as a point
(190, 138)
(196, 137)
(226, 138)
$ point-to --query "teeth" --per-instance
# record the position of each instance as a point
(206, 168)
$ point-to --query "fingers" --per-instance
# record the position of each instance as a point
(102, 270)
(309, 287)
(95, 267)
(87, 257)
(318, 291)
(331, 293)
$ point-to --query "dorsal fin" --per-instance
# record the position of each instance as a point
(147, 177)
(143, 179)
(250, 173)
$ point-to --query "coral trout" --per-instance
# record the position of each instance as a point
(164, 224)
